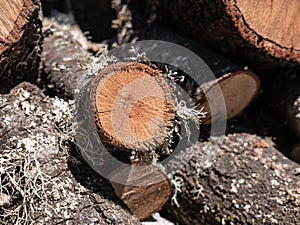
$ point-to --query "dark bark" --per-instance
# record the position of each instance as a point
(65, 59)
(75, 194)
(219, 64)
(20, 49)
(248, 182)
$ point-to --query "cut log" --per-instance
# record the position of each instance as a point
(249, 182)
(133, 110)
(239, 89)
(20, 42)
(59, 188)
(262, 33)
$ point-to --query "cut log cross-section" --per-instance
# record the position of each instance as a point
(20, 42)
(134, 107)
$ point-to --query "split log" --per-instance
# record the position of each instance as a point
(20, 42)
(249, 182)
(41, 182)
(130, 92)
(262, 33)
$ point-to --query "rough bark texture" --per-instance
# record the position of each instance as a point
(65, 59)
(249, 182)
(20, 42)
(60, 188)
(261, 33)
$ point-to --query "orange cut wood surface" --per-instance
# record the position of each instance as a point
(134, 106)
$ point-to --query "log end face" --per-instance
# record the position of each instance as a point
(269, 26)
(238, 90)
(134, 107)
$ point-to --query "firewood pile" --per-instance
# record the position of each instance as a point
(149, 112)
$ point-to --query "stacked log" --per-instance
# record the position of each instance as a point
(251, 32)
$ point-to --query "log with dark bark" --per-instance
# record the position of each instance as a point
(20, 42)
(261, 33)
(135, 113)
(59, 187)
(249, 182)
(131, 92)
